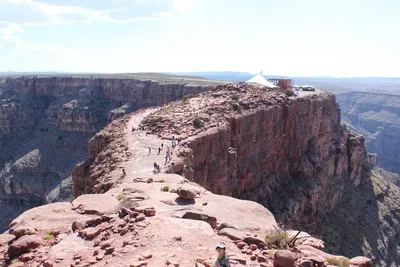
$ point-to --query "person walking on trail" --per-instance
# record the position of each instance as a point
(162, 146)
(149, 151)
(222, 260)
(159, 150)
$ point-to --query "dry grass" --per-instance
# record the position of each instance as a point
(341, 262)
(277, 239)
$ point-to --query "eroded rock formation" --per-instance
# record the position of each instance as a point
(377, 117)
(290, 154)
(46, 123)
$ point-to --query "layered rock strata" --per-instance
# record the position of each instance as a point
(46, 123)
(289, 153)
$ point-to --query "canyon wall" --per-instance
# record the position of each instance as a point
(292, 156)
(46, 123)
(377, 117)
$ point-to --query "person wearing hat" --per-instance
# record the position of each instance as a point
(222, 260)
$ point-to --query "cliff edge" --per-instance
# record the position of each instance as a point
(139, 218)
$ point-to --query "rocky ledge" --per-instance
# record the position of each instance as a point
(159, 220)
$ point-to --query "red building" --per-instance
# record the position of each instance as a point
(286, 84)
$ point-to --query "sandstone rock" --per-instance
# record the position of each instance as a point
(138, 264)
(361, 262)
(198, 215)
(187, 192)
(232, 233)
(241, 245)
(284, 258)
(91, 233)
(306, 263)
(150, 212)
(261, 258)
(24, 244)
(98, 204)
(140, 217)
(22, 230)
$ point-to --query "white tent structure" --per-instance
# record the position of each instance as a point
(260, 79)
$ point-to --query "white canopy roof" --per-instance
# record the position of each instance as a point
(260, 79)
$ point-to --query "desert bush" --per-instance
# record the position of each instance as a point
(165, 188)
(277, 238)
(187, 97)
(198, 122)
(289, 93)
(338, 261)
(49, 237)
(235, 96)
(127, 203)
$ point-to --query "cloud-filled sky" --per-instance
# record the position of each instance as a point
(285, 37)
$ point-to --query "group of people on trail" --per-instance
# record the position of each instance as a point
(137, 130)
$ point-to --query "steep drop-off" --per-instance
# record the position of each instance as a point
(289, 154)
(377, 117)
(367, 221)
(46, 123)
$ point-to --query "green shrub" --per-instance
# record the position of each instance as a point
(165, 188)
(187, 97)
(49, 237)
(121, 197)
(198, 123)
(289, 93)
(277, 238)
(338, 261)
(235, 96)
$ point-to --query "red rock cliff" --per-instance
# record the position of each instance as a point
(290, 154)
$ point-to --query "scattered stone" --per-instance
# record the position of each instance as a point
(361, 262)
(241, 245)
(77, 225)
(306, 263)
(261, 258)
(187, 192)
(91, 233)
(178, 238)
(150, 212)
(253, 247)
(140, 217)
(21, 231)
(24, 244)
(138, 264)
(284, 258)
(26, 257)
(253, 257)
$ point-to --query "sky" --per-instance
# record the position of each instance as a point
(342, 38)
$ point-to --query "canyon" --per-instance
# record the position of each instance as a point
(377, 117)
(290, 154)
(46, 123)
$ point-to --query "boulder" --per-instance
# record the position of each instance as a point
(24, 244)
(198, 215)
(22, 230)
(187, 192)
(284, 258)
(361, 262)
(98, 204)
(232, 233)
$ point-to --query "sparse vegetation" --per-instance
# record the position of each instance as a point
(237, 107)
(150, 180)
(277, 238)
(165, 188)
(173, 191)
(49, 237)
(289, 93)
(128, 203)
(121, 197)
(15, 261)
(338, 261)
(198, 123)
(57, 210)
(187, 97)
(235, 96)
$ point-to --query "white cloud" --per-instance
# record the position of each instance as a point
(68, 14)
(184, 6)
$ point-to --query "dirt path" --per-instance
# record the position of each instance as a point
(142, 162)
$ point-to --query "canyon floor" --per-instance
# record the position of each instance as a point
(148, 219)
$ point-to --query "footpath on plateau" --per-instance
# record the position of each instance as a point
(148, 219)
